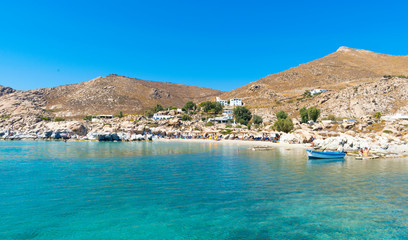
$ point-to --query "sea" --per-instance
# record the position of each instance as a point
(173, 190)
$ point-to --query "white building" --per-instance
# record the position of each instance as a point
(397, 116)
(223, 102)
(235, 102)
(158, 116)
(317, 91)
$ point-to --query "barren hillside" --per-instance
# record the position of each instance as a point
(103, 95)
(343, 68)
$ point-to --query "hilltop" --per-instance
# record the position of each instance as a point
(102, 95)
(344, 68)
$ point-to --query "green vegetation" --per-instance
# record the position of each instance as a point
(149, 113)
(158, 108)
(242, 115)
(198, 129)
(53, 110)
(257, 119)
(281, 115)
(120, 115)
(190, 105)
(398, 76)
(185, 117)
(59, 119)
(290, 101)
(283, 125)
(226, 131)
(277, 102)
(228, 126)
(211, 107)
(311, 113)
(307, 94)
(388, 131)
(5, 117)
(377, 115)
(45, 118)
(209, 124)
(88, 118)
(238, 126)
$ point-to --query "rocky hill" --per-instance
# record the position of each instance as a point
(103, 95)
(344, 68)
(5, 90)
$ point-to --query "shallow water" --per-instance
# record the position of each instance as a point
(74, 190)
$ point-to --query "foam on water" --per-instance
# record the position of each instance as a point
(56, 190)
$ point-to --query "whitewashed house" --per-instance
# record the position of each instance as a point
(317, 91)
(223, 102)
(159, 116)
(235, 102)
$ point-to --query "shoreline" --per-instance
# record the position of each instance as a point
(235, 142)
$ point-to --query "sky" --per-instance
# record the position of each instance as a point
(215, 44)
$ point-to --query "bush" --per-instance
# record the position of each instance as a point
(281, 115)
(304, 116)
(120, 115)
(290, 101)
(228, 126)
(377, 115)
(149, 113)
(45, 118)
(209, 124)
(313, 113)
(59, 119)
(226, 131)
(283, 125)
(307, 94)
(242, 115)
(278, 102)
(257, 119)
(88, 118)
(158, 108)
(331, 117)
(185, 117)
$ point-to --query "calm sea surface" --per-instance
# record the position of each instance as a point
(74, 190)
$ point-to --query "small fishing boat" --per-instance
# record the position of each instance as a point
(324, 155)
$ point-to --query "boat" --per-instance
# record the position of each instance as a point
(324, 155)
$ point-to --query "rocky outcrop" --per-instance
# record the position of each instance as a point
(5, 90)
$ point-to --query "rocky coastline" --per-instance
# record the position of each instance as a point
(382, 137)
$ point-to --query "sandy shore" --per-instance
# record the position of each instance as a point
(235, 142)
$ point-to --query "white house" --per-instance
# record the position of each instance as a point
(397, 116)
(158, 116)
(317, 91)
(235, 102)
(223, 102)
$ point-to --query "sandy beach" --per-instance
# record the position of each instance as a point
(235, 142)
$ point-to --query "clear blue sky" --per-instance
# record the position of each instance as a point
(216, 44)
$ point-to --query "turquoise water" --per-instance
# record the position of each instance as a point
(57, 190)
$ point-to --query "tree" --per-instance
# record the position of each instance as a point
(283, 125)
(281, 115)
(304, 115)
(257, 119)
(190, 105)
(206, 106)
(149, 113)
(120, 115)
(209, 106)
(158, 108)
(313, 113)
(185, 117)
(242, 115)
(307, 94)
